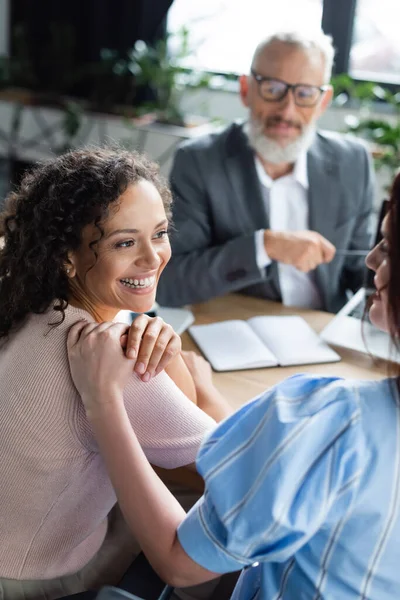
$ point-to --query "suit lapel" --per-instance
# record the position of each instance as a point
(243, 177)
(323, 193)
(323, 174)
(246, 187)
(324, 197)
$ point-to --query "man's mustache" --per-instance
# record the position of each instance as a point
(271, 121)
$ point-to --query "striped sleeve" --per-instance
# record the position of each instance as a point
(273, 471)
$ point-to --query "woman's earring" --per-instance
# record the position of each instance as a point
(67, 271)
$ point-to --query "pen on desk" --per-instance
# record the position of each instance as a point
(344, 252)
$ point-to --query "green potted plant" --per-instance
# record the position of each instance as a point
(162, 71)
(383, 133)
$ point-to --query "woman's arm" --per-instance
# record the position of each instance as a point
(193, 375)
(208, 397)
(151, 511)
(180, 375)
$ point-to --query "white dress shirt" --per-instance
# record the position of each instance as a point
(288, 211)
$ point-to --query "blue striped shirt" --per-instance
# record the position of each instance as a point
(302, 493)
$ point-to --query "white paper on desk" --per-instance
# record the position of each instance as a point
(232, 345)
(292, 340)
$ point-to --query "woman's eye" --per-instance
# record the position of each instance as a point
(161, 234)
(125, 244)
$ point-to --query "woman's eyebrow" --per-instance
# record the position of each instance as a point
(163, 222)
(117, 231)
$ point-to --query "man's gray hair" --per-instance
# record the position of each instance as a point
(317, 40)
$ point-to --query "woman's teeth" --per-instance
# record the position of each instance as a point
(139, 283)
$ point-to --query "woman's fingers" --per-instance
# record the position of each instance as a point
(82, 329)
(150, 340)
(119, 330)
(153, 343)
(96, 327)
(154, 356)
(171, 351)
(124, 341)
(135, 334)
(167, 347)
(75, 333)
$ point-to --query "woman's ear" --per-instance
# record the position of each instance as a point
(69, 270)
(69, 267)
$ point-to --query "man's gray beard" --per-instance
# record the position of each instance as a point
(270, 151)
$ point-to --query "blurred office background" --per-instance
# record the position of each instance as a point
(149, 73)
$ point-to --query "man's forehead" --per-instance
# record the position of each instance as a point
(279, 56)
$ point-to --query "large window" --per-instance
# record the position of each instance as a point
(375, 50)
(224, 33)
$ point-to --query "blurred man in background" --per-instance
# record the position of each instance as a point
(261, 206)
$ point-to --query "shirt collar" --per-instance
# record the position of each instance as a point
(299, 172)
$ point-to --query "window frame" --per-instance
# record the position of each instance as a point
(338, 21)
(338, 18)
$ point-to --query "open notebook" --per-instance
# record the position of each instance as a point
(261, 342)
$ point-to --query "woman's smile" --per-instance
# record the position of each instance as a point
(138, 285)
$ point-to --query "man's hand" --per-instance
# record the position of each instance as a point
(305, 250)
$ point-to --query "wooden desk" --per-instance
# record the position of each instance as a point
(240, 386)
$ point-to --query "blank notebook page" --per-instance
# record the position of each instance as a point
(232, 345)
(292, 340)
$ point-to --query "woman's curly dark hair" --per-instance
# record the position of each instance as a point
(43, 221)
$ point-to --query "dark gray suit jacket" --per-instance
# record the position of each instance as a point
(218, 205)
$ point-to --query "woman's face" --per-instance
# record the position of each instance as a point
(378, 261)
(131, 256)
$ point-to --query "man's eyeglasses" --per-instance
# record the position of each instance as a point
(274, 90)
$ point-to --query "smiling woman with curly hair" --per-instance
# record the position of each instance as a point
(43, 223)
(85, 236)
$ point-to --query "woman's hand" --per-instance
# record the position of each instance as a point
(153, 344)
(99, 368)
